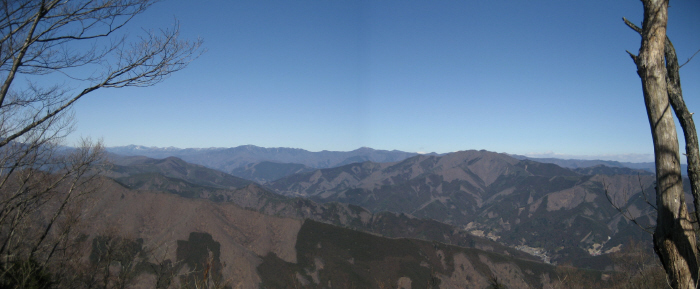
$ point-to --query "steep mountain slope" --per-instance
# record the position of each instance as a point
(517, 202)
(264, 172)
(241, 248)
(548, 211)
(332, 256)
(454, 185)
(173, 167)
(164, 221)
(262, 200)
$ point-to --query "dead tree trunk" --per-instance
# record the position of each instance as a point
(674, 238)
(685, 117)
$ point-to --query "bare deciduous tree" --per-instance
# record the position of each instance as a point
(76, 44)
(657, 66)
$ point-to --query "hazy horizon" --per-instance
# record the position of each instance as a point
(632, 158)
(523, 77)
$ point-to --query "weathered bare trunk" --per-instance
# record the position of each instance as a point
(675, 95)
(685, 117)
(674, 238)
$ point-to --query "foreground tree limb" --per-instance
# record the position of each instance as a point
(674, 237)
(42, 184)
(39, 37)
(685, 117)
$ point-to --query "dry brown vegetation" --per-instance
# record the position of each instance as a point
(43, 186)
(635, 266)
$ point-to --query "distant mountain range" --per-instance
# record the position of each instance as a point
(174, 176)
(265, 171)
(517, 202)
(263, 165)
(290, 216)
(576, 163)
(255, 238)
(233, 247)
(174, 168)
(228, 159)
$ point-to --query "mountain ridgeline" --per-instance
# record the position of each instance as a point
(230, 159)
(234, 247)
(247, 236)
(486, 202)
(565, 213)
(555, 213)
(174, 176)
(263, 165)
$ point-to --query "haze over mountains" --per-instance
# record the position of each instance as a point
(245, 160)
(515, 202)
(272, 217)
(255, 237)
(576, 163)
(558, 214)
(227, 159)
(174, 176)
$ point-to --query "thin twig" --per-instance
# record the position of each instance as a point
(696, 52)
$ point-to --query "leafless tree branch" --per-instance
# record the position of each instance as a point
(625, 213)
(42, 184)
(689, 59)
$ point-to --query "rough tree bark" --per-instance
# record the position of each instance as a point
(685, 117)
(674, 238)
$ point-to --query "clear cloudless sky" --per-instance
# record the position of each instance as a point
(540, 78)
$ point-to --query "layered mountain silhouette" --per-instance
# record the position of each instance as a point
(605, 170)
(228, 159)
(558, 214)
(144, 174)
(263, 165)
(517, 202)
(578, 164)
(242, 240)
(175, 168)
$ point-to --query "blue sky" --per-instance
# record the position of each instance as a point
(541, 78)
